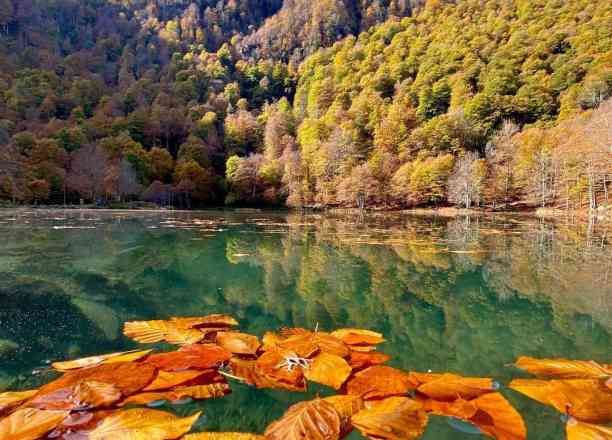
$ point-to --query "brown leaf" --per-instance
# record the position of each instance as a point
(84, 395)
(347, 406)
(223, 436)
(287, 332)
(563, 368)
(92, 361)
(312, 420)
(355, 336)
(197, 392)
(309, 343)
(12, 399)
(238, 343)
(328, 369)
(359, 360)
(219, 321)
(157, 331)
(587, 400)
(30, 423)
(250, 373)
(460, 408)
(270, 340)
(275, 365)
(127, 378)
(497, 418)
(609, 383)
(170, 379)
(142, 424)
(197, 357)
(451, 386)
(395, 418)
(378, 382)
(584, 431)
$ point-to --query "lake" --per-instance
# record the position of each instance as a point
(466, 295)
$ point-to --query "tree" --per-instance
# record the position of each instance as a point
(358, 189)
(465, 185)
(500, 153)
(39, 190)
(87, 171)
(194, 182)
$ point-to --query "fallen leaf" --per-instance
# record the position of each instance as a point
(223, 436)
(312, 420)
(609, 383)
(359, 360)
(197, 392)
(270, 340)
(206, 321)
(395, 418)
(84, 395)
(12, 399)
(170, 379)
(378, 382)
(354, 336)
(576, 430)
(563, 368)
(347, 406)
(156, 331)
(92, 361)
(197, 357)
(328, 369)
(497, 418)
(587, 400)
(460, 408)
(30, 423)
(238, 343)
(127, 378)
(287, 332)
(452, 386)
(250, 373)
(142, 424)
(278, 365)
(309, 343)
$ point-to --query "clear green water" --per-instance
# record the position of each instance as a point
(461, 295)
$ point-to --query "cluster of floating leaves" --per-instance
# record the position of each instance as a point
(110, 396)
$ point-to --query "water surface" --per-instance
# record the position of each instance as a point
(464, 295)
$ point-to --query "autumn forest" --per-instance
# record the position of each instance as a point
(501, 104)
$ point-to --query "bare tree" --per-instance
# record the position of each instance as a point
(500, 153)
(87, 172)
(465, 184)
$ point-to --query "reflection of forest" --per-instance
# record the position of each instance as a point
(462, 295)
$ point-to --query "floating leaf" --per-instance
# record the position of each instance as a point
(11, 400)
(497, 418)
(238, 343)
(170, 379)
(30, 423)
(282, 366)
(584, 431)
(563, 368)
(358, 360)
(206, 321)
(128, 378)
(587, 400)
(452, 386)
(354, 336)
(249, 372)
(378, 382)
(328, 369)
(142, 424)
(270, 340)
(92, 361)
(157, 331)
(460, 408)
(287, 332)
(197, 357)
(609, 383)
(309, 343)
(347, 406)
(82, 396)
(313, 420)
(395, 418)
(198, 392)
(223, 436)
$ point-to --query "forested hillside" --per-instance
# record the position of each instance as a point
(398, 103)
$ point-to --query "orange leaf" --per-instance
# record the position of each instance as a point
(313, 420)
(82, 396)
(127, 378)
(359, 360)
(250, 373)
(355, 336)
(451, 386)
(205, 321)
(584, 431)
(563, 368)
(270, 340)
(347, 406)
(142, 424)
(169, 379)
(309, 343)
(198, 392)
(126, 356)
(587, 400)
(328, 369)
(609, 383)
(395, 418)
(238, 343)
(223, 436)
(275, 365)
(497, 418)
(11, 400)
(30, 423)
(460, 408)
(287, 332)
(378, 382)
(157, 331)
(197, 357)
